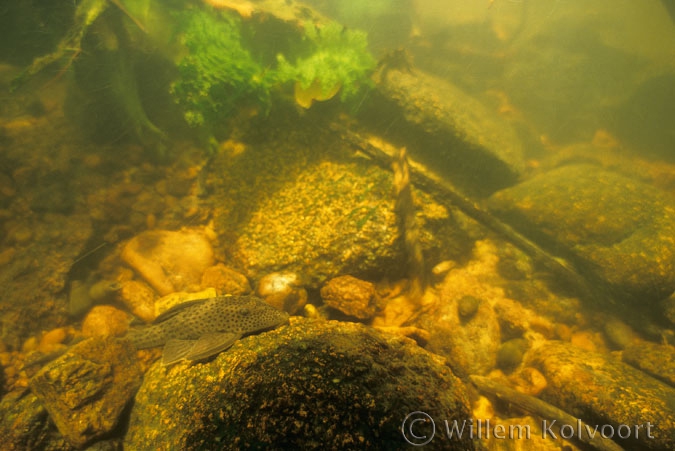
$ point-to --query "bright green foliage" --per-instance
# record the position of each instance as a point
(334, 56)
(218, 71)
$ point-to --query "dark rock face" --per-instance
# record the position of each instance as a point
(616, 227)
(308, 385)
(24, 424)
(447, 129)
(604, 391)
(86, 390)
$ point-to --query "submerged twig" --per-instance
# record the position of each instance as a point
(545, 411)
(446, 194)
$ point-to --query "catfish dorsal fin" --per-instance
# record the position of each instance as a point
(176, 309)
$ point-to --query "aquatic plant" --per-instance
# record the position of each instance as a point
(334, 59)
(218, 71)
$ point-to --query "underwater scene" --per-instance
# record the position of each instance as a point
(337, 224)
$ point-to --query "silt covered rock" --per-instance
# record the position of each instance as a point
(604, 391)
(308, 385)
(86, 389)
(617, 227)
(316, 209)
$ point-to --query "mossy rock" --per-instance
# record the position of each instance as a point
(312, 384)
(615, 227)
(605, 391)
(298, 199)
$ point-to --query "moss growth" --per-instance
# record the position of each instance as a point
(218, 70)
(333, 57)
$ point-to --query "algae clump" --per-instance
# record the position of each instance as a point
(333, 59)
(218, 71)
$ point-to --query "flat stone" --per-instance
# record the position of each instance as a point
(604, 391)
(170, 260)
(86, 389)
(657, 360)
(299, 200)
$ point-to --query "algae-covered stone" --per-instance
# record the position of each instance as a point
(24, 425)
(312, 384)
(451, 131)
(604, 391)
(620, 228)
(86, 389)
(655, 359)
(297, 199)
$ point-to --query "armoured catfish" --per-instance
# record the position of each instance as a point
(196, 330)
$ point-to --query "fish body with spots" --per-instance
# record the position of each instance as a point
(196, 330)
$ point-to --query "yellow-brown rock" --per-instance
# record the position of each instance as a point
(283, 290)
(351, 296)
(105, 321)
(225, 280)
(170, 261)
(52, 339)
(139, 299)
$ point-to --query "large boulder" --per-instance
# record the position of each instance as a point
(311, 384)
(615, 227)
(299, 200)
(446, 128)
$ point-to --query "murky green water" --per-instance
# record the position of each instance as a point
(492, 181)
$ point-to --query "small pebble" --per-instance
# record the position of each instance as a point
(511, 353)
(467, 306)
(105, 320)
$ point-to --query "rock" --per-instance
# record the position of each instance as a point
(52, 339)
(139, 299)
(615, 227)
(310, 384)
(317, 214)
(86, 389)
(528, 380)
(470, 345)
(351, 296)
(467, 306)
(225, 280)
(170, 261)
(105, 321)
(604, 391)
(517, 321)
(25, 425)
(440, 124)
(283, 291)
(657, 360)
(618, 333)
(511, 352)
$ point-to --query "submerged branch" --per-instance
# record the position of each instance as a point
(544, 411)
